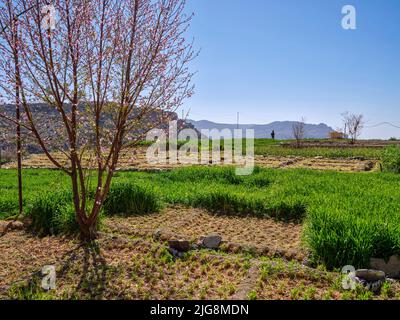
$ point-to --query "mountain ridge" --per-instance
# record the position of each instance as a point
(283, 129)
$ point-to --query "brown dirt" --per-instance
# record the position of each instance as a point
(125, 268)
(22, 254)
(264, 236)
(291, 281)
(137, 161)
(116, 268)
(344, 165)
(129, 266)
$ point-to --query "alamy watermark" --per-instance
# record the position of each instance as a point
(49, 278)
(349, 20)
(49, 17)
(349, 278)
(203, 150)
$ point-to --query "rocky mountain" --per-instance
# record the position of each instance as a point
(283, 129)
(42, 112)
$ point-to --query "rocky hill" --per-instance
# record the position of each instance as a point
(283, 129)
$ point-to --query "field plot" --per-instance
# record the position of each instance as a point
(282, 228)
(291, 281)
(121, 267)
(317, 163)
(115, 268)
(348, 218)
(295, 158)
(262, 236)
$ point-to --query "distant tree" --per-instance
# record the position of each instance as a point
(298, 130)
(354, 124)
(338, 134)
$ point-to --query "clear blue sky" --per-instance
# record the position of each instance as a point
(276, 60)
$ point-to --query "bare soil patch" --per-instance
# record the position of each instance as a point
(132, 265)
(263, 236)
(318, 163)
(113, 268)
(122, 267)
(136, 161)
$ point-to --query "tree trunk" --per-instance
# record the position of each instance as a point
(88, 232)
(18, 116)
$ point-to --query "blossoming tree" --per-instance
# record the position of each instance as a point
(104, 69)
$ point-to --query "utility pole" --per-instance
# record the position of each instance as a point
(238, 118)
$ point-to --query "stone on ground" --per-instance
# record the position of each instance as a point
(370, 275)
(391, 268)
(179, 245)
(212, 241)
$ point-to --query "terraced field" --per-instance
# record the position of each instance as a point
(137, 161)
(287, 230)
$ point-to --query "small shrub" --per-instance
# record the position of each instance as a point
(129, 199)
(391, 159)
(52, 214)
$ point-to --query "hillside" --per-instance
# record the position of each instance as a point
(283, 129)
(43, 112)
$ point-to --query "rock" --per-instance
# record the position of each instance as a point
(358, 158)
(11, 226)
(17, 225)
(370, 275)
(212, 241)
(179, 245)
(234, 247)
(157, 234)
(371, 286)
(199, 243)
(318, 157)
(176, 253)
(369, 166)
(391, 268)
(375, 286)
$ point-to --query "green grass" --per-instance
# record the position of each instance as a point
(269, 147)
(35, 182)
(390, 159)
(310, 152)
(349, 217)
(273, 148)
(128, 198)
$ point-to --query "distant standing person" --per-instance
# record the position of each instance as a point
(273, 134)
